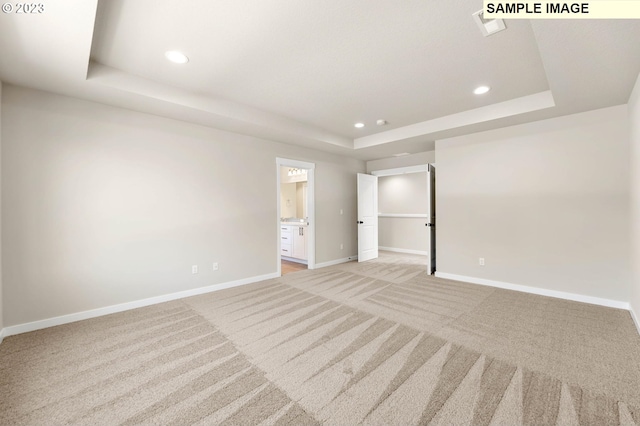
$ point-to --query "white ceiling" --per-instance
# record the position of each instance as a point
(304, 71)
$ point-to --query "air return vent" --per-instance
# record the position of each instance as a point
(488, 26)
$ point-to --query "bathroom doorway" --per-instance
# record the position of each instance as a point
(295, 216)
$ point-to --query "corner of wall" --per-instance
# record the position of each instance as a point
(634, 136)
(1, 298)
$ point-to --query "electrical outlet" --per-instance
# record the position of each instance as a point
(481, 261)
(194, 269)
(341, 246)
(215, 266)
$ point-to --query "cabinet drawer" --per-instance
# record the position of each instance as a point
(285, 250)
(285, 230)
(286, 238)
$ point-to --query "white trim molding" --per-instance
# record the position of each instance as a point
(401, 250)
(337, 261)
(535, 290)
(404, 215)
(78, 316)
(3, 332)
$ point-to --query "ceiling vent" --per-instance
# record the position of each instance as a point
(488, 26)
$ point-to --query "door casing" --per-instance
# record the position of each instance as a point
(417, 169)
(311, 211)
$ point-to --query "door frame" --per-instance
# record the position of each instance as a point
(407, 170)
(311, 210)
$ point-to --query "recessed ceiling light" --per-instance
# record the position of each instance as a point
(176, 57)
(480, 90)
(359, 125)
(402, 154)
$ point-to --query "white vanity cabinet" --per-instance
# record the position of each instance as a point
(286, 240)
(299, 242)
(293, 241)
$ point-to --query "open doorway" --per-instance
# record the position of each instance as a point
(295, 216)
(404, 212)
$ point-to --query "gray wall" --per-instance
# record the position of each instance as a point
(1, 303)
(288, 206)
(103, 205)
(545, 203)
(634, 118)
(403, 194)
(301, 205)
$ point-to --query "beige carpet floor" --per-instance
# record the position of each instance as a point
(377, 342)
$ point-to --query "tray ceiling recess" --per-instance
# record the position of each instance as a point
(305, 72)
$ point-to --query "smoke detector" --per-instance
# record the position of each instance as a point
(488, 26)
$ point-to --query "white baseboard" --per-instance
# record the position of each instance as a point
(78, 316)
(634, 317)
(400, 250)
(336, 262)
(535, 290)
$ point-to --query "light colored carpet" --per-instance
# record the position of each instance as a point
(378, 342)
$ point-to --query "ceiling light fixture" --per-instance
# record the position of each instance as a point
(359, 125)
(401, 154)
(480, 90)
(488, 26)
(381, 122)
(296, 172)
(176, 57)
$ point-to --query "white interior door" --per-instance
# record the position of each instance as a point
(431, 219)
(367, 217)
